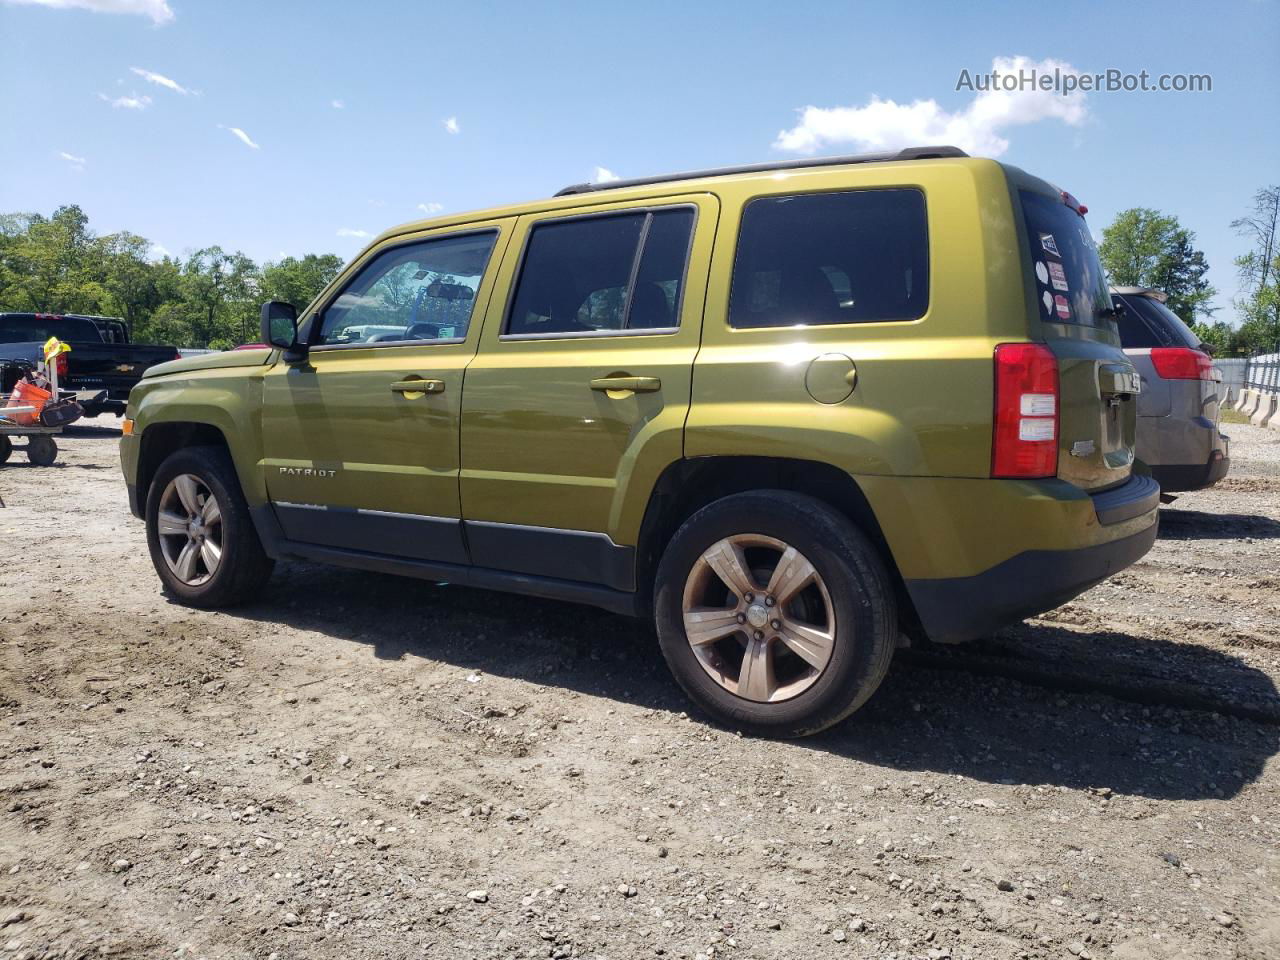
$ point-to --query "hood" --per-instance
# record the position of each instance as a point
(211, 361)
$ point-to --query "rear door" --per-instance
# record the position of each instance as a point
(579, 392)
(1099, 385)
(1146, 324)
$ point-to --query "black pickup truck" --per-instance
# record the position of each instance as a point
(102, 366)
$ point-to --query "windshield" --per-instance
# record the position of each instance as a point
(20, 327)
(1070, 284)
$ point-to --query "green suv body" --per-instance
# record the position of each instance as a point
(790, 412)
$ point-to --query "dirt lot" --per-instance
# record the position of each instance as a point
(363, 767)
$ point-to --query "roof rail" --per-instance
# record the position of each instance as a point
(910, 153)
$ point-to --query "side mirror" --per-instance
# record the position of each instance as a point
(280, 328)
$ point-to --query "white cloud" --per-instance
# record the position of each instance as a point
(976, 128)
(348, 232)
(77, 163)
(160, 80)
(133, 101)
(337, 104)
(604, 175)
(158, 10)
(451, 125)
(430, 208)
(160, 251)
(241, 136)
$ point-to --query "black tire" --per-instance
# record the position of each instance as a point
(42, 450)
(244, 567)
(856, 582)
(6, 448)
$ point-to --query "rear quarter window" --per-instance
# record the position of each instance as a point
(1071, 286)
(858, 256)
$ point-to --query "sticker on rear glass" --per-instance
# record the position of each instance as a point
(1059, 276)
(1041, 273)
(1050, 245)
(1062, 306)
(1048, 302)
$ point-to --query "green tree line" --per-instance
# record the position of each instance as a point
(209, 298)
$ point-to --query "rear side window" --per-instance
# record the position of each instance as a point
(854, 257)
(1070, 284)
(603, 274)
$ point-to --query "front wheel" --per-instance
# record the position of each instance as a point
(774, 613)
(202, 541)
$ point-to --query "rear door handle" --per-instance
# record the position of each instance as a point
(417, 387)
(634, 384)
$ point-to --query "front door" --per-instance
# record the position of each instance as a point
(578, 395)
(360, 440)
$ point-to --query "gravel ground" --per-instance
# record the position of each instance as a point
(363, 767)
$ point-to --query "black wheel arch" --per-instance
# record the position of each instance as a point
(686, 486)
(161, 440)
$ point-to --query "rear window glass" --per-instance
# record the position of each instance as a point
(1162, 326)
(15, 329)
(603, 274)
(854, 257)
(1135, 332)
(1070, 284)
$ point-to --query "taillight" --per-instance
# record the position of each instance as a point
(60, 364)
(1024, 440)
(1182, 363)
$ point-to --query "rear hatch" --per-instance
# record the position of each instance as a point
(1149, 327)
(1098, 383)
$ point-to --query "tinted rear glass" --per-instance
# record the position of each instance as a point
(602, 274)
(1070, 284)
(1135, 332)
(20, 327)
(1164, 324)
(821, 258)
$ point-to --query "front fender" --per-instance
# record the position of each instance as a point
(232, 404)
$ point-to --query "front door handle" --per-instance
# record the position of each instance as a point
(412, 389)
(634, 384)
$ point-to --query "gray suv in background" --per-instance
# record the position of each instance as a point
(1179, 406)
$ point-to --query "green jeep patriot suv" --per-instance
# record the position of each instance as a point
(789, 411)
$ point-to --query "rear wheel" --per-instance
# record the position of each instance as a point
(6, 448)
(774, 613)
(202, 541)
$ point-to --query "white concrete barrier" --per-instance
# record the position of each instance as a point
(1266, 410)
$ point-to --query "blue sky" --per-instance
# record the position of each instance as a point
(544, 94)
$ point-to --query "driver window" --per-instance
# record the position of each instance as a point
(419, 291)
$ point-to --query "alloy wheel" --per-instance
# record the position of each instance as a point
(759, 618)
(189, 522)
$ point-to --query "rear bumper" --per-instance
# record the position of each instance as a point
(952, 610)
(1192, 476)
